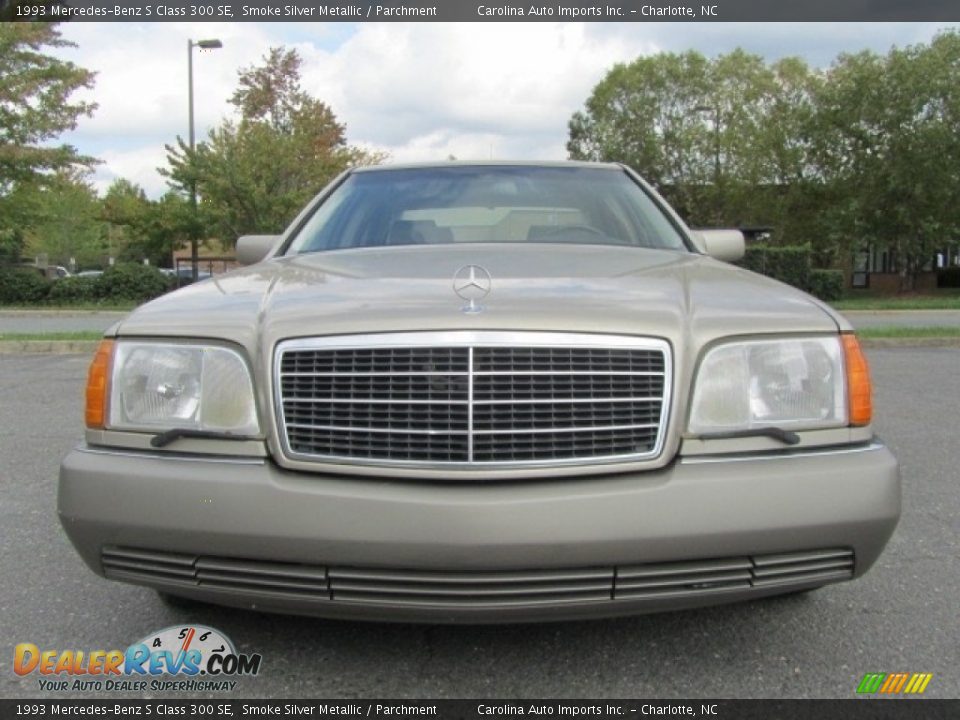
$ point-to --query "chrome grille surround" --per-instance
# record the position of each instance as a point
(472, 400)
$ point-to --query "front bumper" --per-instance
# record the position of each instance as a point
(244, 532)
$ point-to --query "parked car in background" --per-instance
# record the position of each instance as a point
(90, 273)
(54, 272)
(481, 392)
(184, 275)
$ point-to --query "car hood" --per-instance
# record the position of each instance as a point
(680, 296)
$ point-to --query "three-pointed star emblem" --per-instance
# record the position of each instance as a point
(472, 283)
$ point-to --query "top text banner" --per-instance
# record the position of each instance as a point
(480, 10)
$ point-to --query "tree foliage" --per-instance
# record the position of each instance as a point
(36, 104)
(867, 151)
(890, 144)
(254, 173)
(66, 223)
(706, 133)
(139, 228)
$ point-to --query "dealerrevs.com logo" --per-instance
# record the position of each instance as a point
(201, 658)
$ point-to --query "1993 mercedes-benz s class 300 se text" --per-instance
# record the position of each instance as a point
(481, 392)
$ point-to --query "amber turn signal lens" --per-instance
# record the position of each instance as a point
(98, 380)
(859, 391)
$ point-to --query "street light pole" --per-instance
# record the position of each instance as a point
(211, 44)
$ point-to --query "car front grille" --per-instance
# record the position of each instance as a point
(397, 587)
(472, 399)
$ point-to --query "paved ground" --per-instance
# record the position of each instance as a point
(902, 616)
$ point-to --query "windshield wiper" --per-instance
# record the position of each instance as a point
(168, 436)
(785, 436)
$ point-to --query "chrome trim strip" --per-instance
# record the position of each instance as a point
(222, 459)
(377, 401)
(484, 373)
(470, 384)
(457, 373)
(538, 401)
(466, 338)
(779, 454)
(517, 431)
(592, 464)
(471, 339)
(578, 428)
(392, 431)
(565, 373)
(563, 401)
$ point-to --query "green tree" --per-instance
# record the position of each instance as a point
(891, 145)
(253, 174)
(66, 222)
(124, 210)
(12, 243)
(164, 227)
(36, 105)
(645, 114)
(139, 228)
(723, 139)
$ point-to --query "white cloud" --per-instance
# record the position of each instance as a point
(138, 165)
(420, 91)
(141, 90)
(141, 84)
(393, 84)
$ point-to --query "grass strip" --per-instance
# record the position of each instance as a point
(76, 307)
(73, 336)
(941, 300)
(904, 331)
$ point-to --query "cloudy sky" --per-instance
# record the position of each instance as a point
(420, 91)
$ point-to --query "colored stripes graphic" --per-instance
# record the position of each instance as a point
(894, 683)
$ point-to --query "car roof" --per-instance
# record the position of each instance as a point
(491, 163)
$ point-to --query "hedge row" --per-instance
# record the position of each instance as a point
(949, 278)
(789, 264)
(124, 283)
(826, 284)
(23, 287)
(139, 283)
(792, 264)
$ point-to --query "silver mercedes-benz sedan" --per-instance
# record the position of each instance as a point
(481, 392)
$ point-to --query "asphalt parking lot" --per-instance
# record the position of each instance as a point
(902, 616)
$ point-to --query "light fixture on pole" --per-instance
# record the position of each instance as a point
(210, 44)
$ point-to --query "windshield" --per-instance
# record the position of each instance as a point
(487, 204)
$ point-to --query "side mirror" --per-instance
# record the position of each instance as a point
(726, 245)
(254, 248)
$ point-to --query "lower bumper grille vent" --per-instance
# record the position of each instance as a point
(477, 590)
(471, 589)
(790, 568)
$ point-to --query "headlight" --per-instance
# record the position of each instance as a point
(788, 383)
(162, 386)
